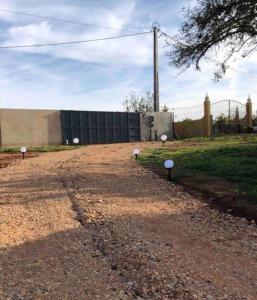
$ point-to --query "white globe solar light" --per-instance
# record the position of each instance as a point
(169, 164)
(164, 137)
(76, 141)
(136, 152)
(23, 151)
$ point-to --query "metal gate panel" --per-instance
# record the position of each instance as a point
(84, 127)
(100, 127)
(134, 127)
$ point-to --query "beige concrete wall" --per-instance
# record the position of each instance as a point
(162, 125)
(29, 127)
(189, 128)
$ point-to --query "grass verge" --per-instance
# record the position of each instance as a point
(225, 167)
(38, 149)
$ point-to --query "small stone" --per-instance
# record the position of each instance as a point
(130, 283)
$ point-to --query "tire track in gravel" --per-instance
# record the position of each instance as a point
(134, 265)
(44, 252)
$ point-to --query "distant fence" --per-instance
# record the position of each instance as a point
(195, 112)
(188, 121)
(222, 117)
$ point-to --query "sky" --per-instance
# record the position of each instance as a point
(99, 75)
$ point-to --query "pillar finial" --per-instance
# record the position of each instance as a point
(249, 99)
(207, 97)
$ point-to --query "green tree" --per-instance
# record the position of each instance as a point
(212, 25)
(222, 120)
(139, 103)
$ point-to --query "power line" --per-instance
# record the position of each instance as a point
(74, 42)
(61, 20)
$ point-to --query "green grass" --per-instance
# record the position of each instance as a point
(230, 158)
(38, 149)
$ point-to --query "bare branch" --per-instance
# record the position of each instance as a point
(210, 24)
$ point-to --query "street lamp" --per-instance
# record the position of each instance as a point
(164, 139)
(136, 152)
(169, 164)
(23, 151)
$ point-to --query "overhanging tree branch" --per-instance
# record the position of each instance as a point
(212, 24)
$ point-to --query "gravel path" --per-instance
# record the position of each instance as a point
(92, 224)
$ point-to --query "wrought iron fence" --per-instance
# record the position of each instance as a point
(195, 112)
(228, 116)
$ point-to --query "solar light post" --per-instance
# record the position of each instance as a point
(23, 151)
(164, 139)
(136, 152)
(169, 164)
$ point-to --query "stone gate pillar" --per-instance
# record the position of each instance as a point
(249, 113)
(207, 117)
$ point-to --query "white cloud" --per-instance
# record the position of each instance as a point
(106, 71)
(132, 50)
(191, 86)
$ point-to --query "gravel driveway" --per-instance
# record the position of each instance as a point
(92, 224)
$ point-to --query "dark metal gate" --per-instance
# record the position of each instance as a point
(92, 127)
(228, 117)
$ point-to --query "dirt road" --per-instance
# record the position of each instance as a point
(92, 224)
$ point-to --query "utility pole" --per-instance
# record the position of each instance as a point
(156, 67)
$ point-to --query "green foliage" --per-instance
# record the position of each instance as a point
(233, 159)
(38, 149)
(221, 120)
(210, 25)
